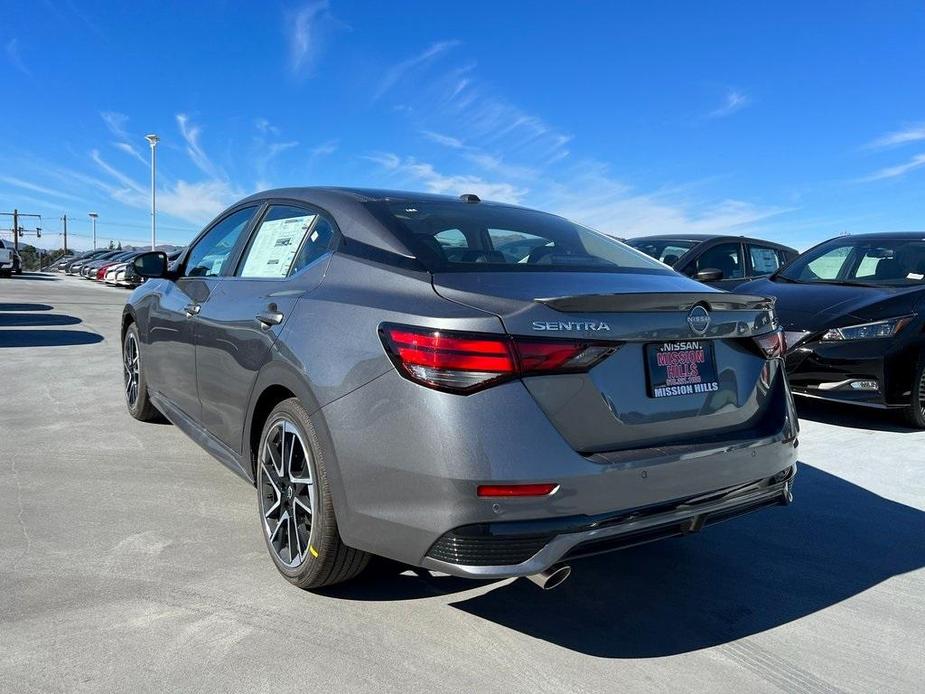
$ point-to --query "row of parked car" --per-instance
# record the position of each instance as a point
(113, 267)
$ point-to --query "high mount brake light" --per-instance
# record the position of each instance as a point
(773, 344)
(461, 362)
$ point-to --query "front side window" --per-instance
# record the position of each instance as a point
(884, 261)
(287, 240)
(726, 257)
(765, 260)
(447, 236)
(211, 253)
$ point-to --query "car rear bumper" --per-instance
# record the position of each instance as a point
(503, 549)
(399, 497)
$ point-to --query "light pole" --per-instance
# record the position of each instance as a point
(153, 140)
(93, 216)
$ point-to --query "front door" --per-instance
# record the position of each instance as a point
(175, 321)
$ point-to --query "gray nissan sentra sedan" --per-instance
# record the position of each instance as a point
(465, 386)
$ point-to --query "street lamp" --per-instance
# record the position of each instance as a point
(153, 140)
(93, 216)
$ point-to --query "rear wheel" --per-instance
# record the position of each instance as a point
(294, 501)
(915, 413)
(135, 386)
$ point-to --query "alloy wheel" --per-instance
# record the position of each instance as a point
(287, 492)
(131, 368)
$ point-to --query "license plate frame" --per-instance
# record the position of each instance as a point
(678, 368)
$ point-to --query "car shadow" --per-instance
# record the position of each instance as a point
(47, 338)
(852, 416)
(734, 580)
(35, 276)
(25, 307)
(12, 320)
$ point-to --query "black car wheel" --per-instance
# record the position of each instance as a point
(915, 413)
(294, 501)
(135, 386)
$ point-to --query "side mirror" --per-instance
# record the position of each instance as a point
(153, 264)
(711, 274)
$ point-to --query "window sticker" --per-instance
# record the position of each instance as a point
(275, 246)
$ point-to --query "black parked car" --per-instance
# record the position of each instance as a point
(854, 312)
(724, 262)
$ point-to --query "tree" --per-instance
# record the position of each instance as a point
(112, 246)
(119, 247)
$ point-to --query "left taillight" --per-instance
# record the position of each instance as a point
(772, 344)
(463, 362)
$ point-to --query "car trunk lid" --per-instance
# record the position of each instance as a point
(718, 381)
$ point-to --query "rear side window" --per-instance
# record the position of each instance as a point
(765, 260)
(287, 240)
(449, 236)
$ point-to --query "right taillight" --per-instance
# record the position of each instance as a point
(772, 344)
(461, 362)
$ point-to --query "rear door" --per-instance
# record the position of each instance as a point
(170, 355)
(763, 260)
(284, 259)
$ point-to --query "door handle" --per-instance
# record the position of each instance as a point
(268, 319)
(192, 310)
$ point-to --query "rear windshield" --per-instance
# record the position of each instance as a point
(463, 237)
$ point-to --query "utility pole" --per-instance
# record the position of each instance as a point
(64, 219)
(16, 230)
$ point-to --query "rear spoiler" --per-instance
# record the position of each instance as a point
(660, 301)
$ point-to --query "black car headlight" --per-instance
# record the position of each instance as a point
(868, 331)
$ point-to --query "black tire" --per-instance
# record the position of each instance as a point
(321, 559)
(915, 413)
(137, 402)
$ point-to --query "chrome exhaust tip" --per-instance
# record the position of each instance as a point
(551, 577)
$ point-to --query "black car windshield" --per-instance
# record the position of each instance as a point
(668, 251)
(884, 261)
(447, 236)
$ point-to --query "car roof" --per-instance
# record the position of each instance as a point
(349, 207)
(700, 238)
(881, 235)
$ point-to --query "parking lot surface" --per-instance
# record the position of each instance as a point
(132, 561)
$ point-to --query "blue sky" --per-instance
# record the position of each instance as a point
(793, 120)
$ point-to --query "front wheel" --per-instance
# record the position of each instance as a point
(915, 413)
(294, 501)
(133, 378)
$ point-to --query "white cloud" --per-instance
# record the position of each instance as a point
(125, 180)
(734, 101)
(35, 188)
(912, 133)
(414, 172)
(441, 139)
(197, 202)
(325, 148)
(916, 162)
(131, 151)
(395, 73)
(191, 133)
(307, 28)
(13, 55)
(116, 123)
(265, 127)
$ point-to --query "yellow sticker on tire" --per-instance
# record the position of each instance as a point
(313, 551)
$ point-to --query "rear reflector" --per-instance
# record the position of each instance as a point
(773, 344)
(466, 362)
(496, 490)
